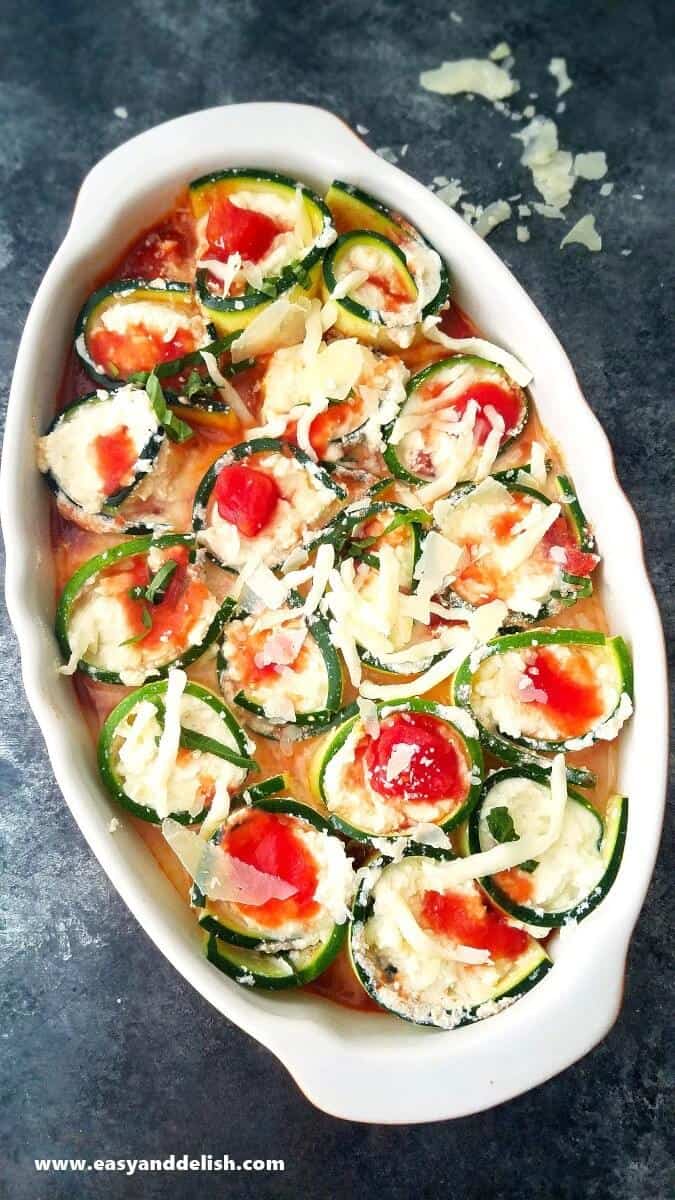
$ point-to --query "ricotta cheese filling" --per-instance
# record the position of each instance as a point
(572, 867)
(193, 778)
(101, 626)
(401, 317)
(281, 669)
(506, 698)
(501, 535)
(156, 316)
(349, 794)
(439, 441)
(303, 502)
(332, 896)
(422, 975)
(69, 451)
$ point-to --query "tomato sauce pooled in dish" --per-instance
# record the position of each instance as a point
(270, 842)
(432, 767)
(466, 919)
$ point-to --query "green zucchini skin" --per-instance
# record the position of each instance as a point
(391, 458)
(252, 969)
(318, 631)
(381, 243)
(240, 453)
(110, 291)
(99, 562)
(537, 962)
(612, 841)
(155, 692)
(236, 935)
(231, 314)
(355, 209)
(574, 588)
(524, 752)
(149, 451)
(324, 755)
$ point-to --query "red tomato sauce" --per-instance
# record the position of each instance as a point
(573, 699)
(137, 349)
(468, 920)
(246, 498)
(115, 456)
(436, 770)
(271, 843)
(233, 230)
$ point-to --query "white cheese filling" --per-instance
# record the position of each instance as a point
(193, 777)
(69, 452)
(502, 701)
(302, 503)
(100, 626)
(400, 320)
(298, 684)
(572, 867)
(419, 974)
(349, 794)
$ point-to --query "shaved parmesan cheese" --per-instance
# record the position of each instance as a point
(475, 345)
(585, 234)
(219, 875)
(487, 620)
(369, 718)
(606, 189)
(527, 536)
(224, 272)
(558, 69)
(538, 463)
(399, 760)
(325, 560)
(522, 233)
(169, 742)
(491, 445)
(228, 393)
(476, 75)
(436, 565)
(279, 709)
(218, 810)
(552, 168)
(417, 687)
(281, 323)
(502, 50)
(308, 413)
(459, 452)
(492, 216)
(348, 283)
(591, 166)
(549, 211)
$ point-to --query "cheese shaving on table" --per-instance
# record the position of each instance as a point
(592, 165)
(220, 876)
(478, 76)
(491, 216)
(585, 234)
(552, 169)
(228, 393)
(558, 69)
(475, 345)
(436, 674)
(169, 742)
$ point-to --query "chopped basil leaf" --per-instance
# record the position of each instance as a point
(529, 865)
(176, 429)
(147, 626)
(500, 824)
(196, 386)
(156, 589)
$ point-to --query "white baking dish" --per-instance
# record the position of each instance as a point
(358, 1066)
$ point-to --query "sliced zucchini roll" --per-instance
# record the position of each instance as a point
(131, 325)
(459, 414)
(96, 451)
(207, 756)
(433, 952)
(546, 690)
(383, 289)
(303, 899)
(571, 878)
(259, 501)
(517, 547)
(261, 234)
(416, 762)
(281, 669)
(137, 609)
(339, 396)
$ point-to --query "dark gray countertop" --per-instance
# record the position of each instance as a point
(110, 1052)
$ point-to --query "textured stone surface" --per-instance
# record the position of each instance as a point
(110, 1051)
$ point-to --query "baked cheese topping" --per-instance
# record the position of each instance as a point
(280, 669)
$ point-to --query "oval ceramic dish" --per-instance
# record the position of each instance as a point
(350, 1064)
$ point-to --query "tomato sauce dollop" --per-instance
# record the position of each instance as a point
(176, 612)
(232, 230)
(246, 498)
(436, 769)
(467, 920)
(270, 842)
(137, 349)
(115, 455)
(573, 699)
(577, 562)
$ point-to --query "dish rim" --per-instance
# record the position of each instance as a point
(323, 1045)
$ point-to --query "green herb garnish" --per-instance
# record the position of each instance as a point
(176, 429)
(500, 824)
